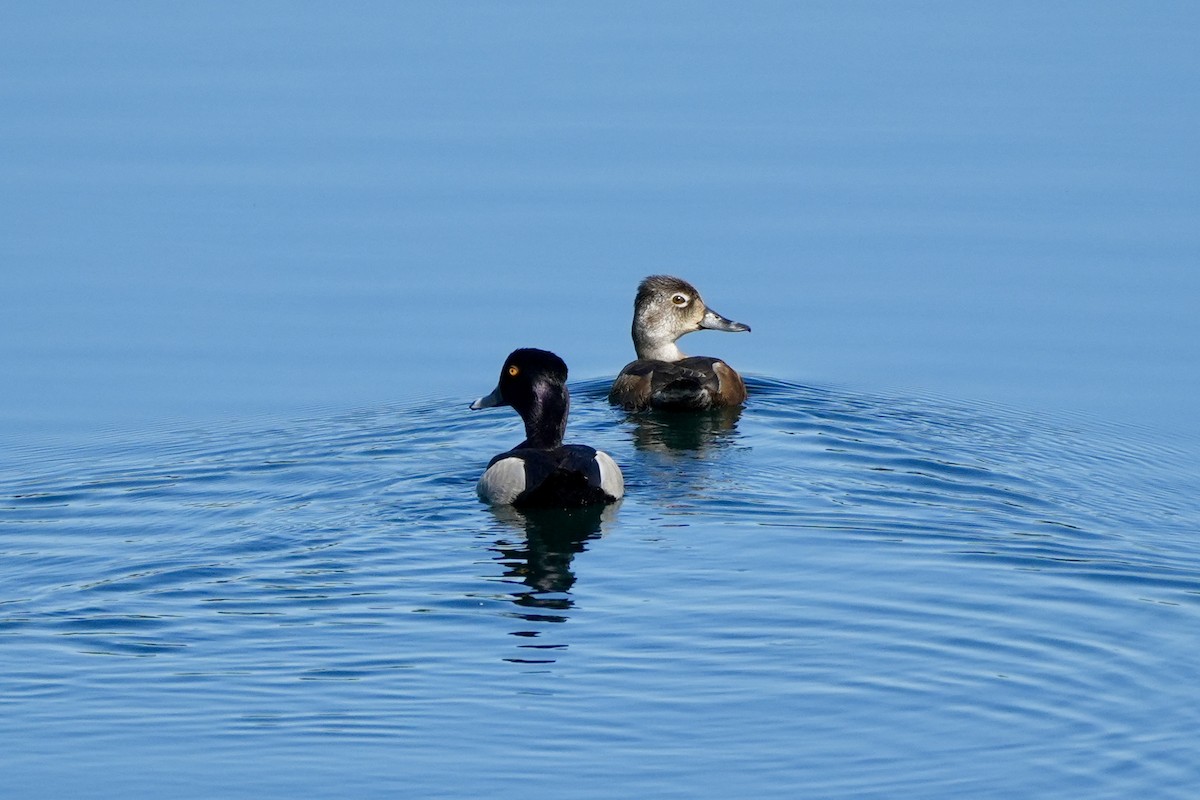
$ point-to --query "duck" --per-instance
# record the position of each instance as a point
(542, 471)
(662, 377)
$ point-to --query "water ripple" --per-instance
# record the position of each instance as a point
(822, 567)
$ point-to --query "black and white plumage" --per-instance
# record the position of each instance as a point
(662, 377)
(541, 471)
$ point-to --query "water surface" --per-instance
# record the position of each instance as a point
(253, 208)
(843, 594)
(258, 257)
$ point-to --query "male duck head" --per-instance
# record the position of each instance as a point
(534, 383)
(667, 308)
(542, 471)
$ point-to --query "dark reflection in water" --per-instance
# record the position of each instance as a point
(691, 431)
(541, 562)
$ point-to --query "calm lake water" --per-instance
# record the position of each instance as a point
(258, 259)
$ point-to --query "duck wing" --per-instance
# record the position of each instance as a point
(689, 384)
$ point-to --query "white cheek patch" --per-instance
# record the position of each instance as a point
(502, 482)
(611, 479)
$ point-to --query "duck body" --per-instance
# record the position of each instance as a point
(690, 384)
(542, 471)
(662, 377)
(570, 476)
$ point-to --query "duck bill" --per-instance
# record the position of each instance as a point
(489, 400)
(715, 322)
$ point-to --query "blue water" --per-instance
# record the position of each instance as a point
(831, 593)
(258, 258)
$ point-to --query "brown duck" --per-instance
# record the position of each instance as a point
(662, 377)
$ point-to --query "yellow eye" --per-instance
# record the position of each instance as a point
(679, 299)
(512, 370)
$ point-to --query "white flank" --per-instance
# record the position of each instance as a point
(611, 479)
(503, 481)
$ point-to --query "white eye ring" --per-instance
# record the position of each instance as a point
(679, 299)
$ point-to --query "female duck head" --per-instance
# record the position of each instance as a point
(666, 308)
(534, 383)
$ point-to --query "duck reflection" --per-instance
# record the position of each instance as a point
(685, 431)
(542, 559)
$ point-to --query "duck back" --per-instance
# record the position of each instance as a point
(564, 477)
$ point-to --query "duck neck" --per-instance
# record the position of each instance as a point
(657, 350)
(546, 422)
